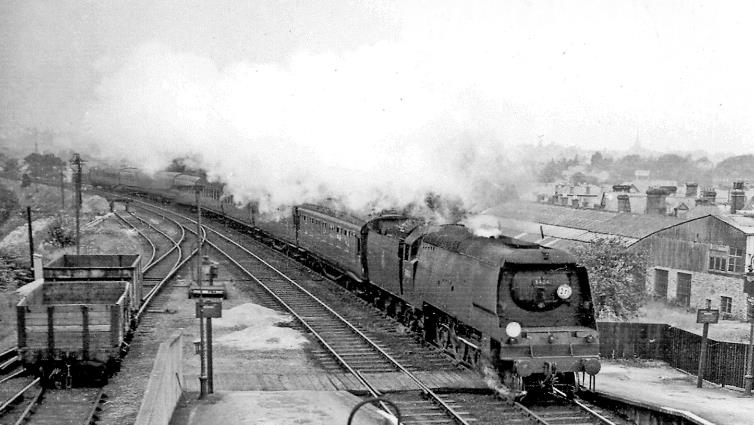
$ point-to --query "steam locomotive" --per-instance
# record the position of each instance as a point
(522, 308)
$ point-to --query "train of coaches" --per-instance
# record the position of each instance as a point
(524, 308)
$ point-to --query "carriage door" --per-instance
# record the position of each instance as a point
(409, 263)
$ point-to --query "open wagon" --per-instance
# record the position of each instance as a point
(99, 267)
(74, 329)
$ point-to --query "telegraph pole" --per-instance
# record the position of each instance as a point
(76, 163)
(31, 238)
(62, 189)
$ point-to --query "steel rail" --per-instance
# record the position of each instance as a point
(22, 419)
(301, 320)
(584, 407)
(8, 358)
(175, 244)
(16, 396)
(179, 263)
(90, 418)
(15, 374)
(426, 390)
(149, 241)
(8, 353)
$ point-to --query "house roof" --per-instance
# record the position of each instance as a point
(743, 223)
(628, 225)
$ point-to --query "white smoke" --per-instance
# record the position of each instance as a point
(435, 109)
(372, 128)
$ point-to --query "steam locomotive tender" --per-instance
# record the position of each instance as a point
(523, 308)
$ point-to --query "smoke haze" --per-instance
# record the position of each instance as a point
(371, 126)
(375, 105)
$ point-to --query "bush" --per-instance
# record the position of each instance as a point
(12, 276)
(8, 203)
(62, 232)
(616, 277)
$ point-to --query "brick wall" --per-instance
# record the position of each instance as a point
(705, 286)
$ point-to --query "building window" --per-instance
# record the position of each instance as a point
(683, 292)
(735, 260)
(718, 258)
(726, 259)
(726, 305)
(661, 283)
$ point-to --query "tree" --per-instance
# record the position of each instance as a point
(8, 203)
(11, 168)
(580, 178)
(616, 276)
(598, 161)
(44, 166)
(735, 167)
(61, 232)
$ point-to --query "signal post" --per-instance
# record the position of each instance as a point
(706, 316)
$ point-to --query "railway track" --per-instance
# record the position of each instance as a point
(354, 351)
(362, 356)
(9, 361)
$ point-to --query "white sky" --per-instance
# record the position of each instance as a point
(677, 73)
(332, 90)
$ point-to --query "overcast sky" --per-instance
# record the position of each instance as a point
(677, 74)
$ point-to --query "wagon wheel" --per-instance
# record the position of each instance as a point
(442, 336)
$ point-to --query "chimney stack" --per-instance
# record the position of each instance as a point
(624, 204)
(709, 195)
(669, 190)
(737, 197)
(656, 202)
(691, 189)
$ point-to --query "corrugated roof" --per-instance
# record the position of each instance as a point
(633, 226)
